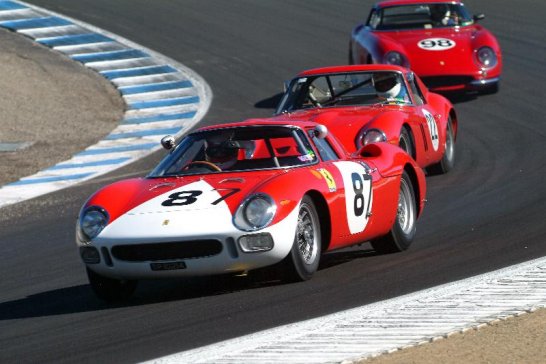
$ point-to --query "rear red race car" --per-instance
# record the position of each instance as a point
(440, 41)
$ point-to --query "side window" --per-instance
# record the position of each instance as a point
(415, 90)
(326, 152)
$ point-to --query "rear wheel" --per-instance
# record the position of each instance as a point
(304, 257)
(110, 289)
(448, 159)
(403, 230)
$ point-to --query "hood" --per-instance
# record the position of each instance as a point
(438, 51)
(188, 193)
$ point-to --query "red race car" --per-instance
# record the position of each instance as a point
(438, 40)
(236, 197)
(363, 104)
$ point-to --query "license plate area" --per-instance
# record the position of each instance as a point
(167, 266)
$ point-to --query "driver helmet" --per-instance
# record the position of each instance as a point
(386, 84)
(222, 153)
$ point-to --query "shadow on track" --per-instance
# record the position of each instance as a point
(80, 298)
(270, 102)
(460, 97)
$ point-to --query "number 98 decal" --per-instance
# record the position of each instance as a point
(358, 194)
(436, 44)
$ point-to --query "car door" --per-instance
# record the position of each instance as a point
(351, 209)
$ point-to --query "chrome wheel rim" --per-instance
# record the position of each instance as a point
(406, 209)
(305, 235)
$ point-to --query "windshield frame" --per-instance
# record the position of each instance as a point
(191, 146)
(298, 90)
(466, 18)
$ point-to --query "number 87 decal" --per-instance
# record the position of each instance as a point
(358, 195)
(360, 200)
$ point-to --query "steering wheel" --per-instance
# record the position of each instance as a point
(209, 165)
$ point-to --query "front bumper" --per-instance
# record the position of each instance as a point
(186, 256)
(484, 84)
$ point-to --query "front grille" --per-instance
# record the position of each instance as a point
(446, 81)
(167, 251)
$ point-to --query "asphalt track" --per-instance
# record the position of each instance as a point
(487, 213)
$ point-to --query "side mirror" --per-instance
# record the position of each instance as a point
(320, 131)
(168, 142)
(478, 17)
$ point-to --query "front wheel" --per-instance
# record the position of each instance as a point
(405, 142)
(403, 230)
(110, 289)
(448, 159)
(304, 257)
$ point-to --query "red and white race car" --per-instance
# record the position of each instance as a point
(438, 40)
(237, 197)
(364, 104)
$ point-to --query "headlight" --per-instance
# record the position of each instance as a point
(394, 58)
(486, 57)
(371, 136)
(255, 213)
(91, 222)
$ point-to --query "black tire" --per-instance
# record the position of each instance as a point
(406, 142)
(304, 257)
(447, 162)
(110, 289)
(403, 230)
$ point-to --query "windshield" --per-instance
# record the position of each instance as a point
(419, 16)
(237, 149)
(343, 89)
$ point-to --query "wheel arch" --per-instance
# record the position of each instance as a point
(323, 212)
(406, 125)
(454, 122)
(409, 169)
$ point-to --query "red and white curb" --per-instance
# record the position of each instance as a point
(387, 326)
(161, 95)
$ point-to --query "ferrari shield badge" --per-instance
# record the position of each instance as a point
(329, 179)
